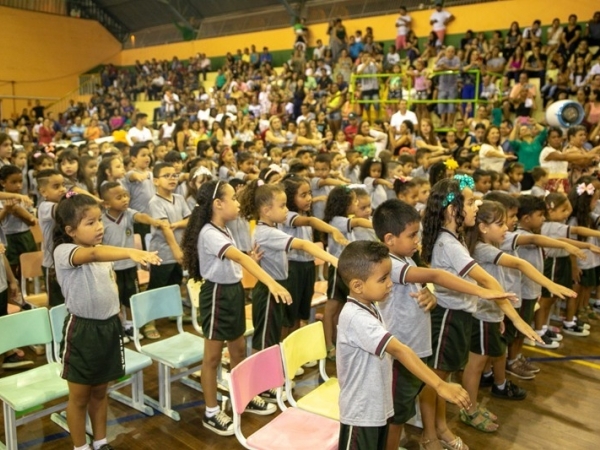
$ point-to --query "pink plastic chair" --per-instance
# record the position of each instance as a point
(293, 428)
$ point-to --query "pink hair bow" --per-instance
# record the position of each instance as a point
(585, 189)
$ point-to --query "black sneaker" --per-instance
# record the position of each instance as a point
(220, 423)
(547, 342)
(486, 382)
(259, 406)
(576, 330)
(15, 361)
(129, 333)
(125, 337)
(510, 392)
(270, 396)
(557, 337)
(106, 447)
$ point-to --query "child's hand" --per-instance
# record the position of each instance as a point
(338, 237)
(13, 291)
(178, 254)
(488, 294)
(561, 291)
(145, 258)
(25, 200)
(594, 248)
(256, 253)
(454, 393)
(280, 293)
(137, 177)
(576, 273)
(580, 254)
(502, 327)
(425, 299)
(159, 223)
(524, 328)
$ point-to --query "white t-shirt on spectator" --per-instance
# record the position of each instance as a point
(392, 58)
(398, 118)
(403, 25)
(553, 167)
(440, 18)
(204, 115)
(142, 135)
(490, 162)
(167, 130)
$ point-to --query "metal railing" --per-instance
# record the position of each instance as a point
(87, 86)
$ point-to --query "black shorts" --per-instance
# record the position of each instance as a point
(4, 303)
(362, 438)
(526, 313)
(451, 338)
(301, 284)
(55, 295)
(92, 350)
(486, 338)
(405, 389)
(222, 311)
(19, 243)
(127, 284)
(267, 317)
(588, 277)
(165, 275)
(142, 229)
(559, 271)
(336, 288)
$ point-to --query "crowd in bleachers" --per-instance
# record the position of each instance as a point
(341, 129)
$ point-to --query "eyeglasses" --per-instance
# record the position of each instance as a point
(172, 176)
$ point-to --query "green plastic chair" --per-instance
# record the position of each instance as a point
(182, 352)
(34, 387)
(135, 363)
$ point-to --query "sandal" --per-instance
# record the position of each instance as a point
(151, 333)
(424, 443)
(486, 425)
(456, 444)
(488, 414)
(331, 353)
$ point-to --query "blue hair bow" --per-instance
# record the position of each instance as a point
(464, 181)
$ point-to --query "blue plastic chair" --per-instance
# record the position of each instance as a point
(179, 352)
(34, 387)
(135, 363)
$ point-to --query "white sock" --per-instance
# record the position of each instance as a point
(569, 324)
(211, 412)
(544, 328)
(83, 447)
(541, 332)
(501, 386)
(488, 374)
(99, 443)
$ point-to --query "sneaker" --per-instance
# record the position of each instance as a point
(106, 447)
(258, 406)
(547, 342)
(576, 330)
(125, 338)
(129, 333)
(529, 342)
(299, 372)
(310, 364)
(486, 382)
(15, 361)
(518, 370)
(510, 392)
(220, 423)
(528, 365)
(596, 306)
(582, 323)
(270, 396)
(557, 337)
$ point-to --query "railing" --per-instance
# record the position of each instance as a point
(87, 86)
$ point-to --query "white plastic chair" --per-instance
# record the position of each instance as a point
(179, 352)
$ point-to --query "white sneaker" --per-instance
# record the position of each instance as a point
(310, 364)
(576, 330)
(299, 372)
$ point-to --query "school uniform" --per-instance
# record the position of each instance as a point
(172, 210)
(352, 173)
(336, 288)
(118, 232)
(365, 234)
(92, 350)
(301, 272)
(267, 313)
(557, 265)
(512, 282)
(222, 309)
(587, 265)
(451, 320)
(45, 213)
(140, 193)
(191, 202)
(378, 193)
(486, 338)
(365, 376)
(18, 238)
(537, 191)
(318, 208)
(240, 230)
(411, 325)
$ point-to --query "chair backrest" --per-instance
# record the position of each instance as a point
(36, 231)
(193, 287)
(257, 373)
(31, 264)
(25, 328)
(303, 345)
(155, 304)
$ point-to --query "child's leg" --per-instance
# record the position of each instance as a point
(332, 309)
(79, 398)
(97, 409)
(393, 437)
(212, 357)
(470, 382)
(433, 419)
(237, 351)
(543, 314)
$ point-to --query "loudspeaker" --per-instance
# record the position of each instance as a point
(564, 114)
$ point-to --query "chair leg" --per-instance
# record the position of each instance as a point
(10, 428)
(164, 394)
(136, 401)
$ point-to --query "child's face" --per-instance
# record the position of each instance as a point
(353, 204)
(45, 165)
(322, 170)
(560, 213)
(69, 168)
(20, 160)
(483, 184)
(363, 208)
(276, 159)
(534, 221)
(511, 218)
(306, 159)
(340, 136)
(277, 210)
(407, 242)
(89, 230)
(117, 199)
(160, 152)
(470, 208)
(117, 169)
(303, 198)
(543, 181)
(13, 183)
(352, 158)
(377, 287)
(142, 160)
(247, 165)
(407, 168)
(6, 149)
(495, 232)
(516, 176)
(178, 166)
(91, 168)
(475, 162)
(504, 183)
(166, 180)
(209, 153)
(375, 170)
(54, 189)
(424, 191)
(411, 196)
(336, 162)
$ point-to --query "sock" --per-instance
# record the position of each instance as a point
(501, 386)
(512, 361)
(99, 443)
(488, 374)
(544, 328)
(569, 324)
(83, 447)
(211, 412)
(541, 332)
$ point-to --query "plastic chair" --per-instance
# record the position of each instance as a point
(31, 268)
(304, 345)
(294, 428)
(135, 363)
(142, 275)
(177, 352)
(36, 231)
(36, 386)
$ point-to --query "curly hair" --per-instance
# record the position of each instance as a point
(582, 204)
(437, 172)
(365, 168)
(434, 217)
(338, 203)
(291, 185)
(201, 215)
(256, 195)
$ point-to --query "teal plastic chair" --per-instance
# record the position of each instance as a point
(135, 363)
(34, 387)
(182, 352)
